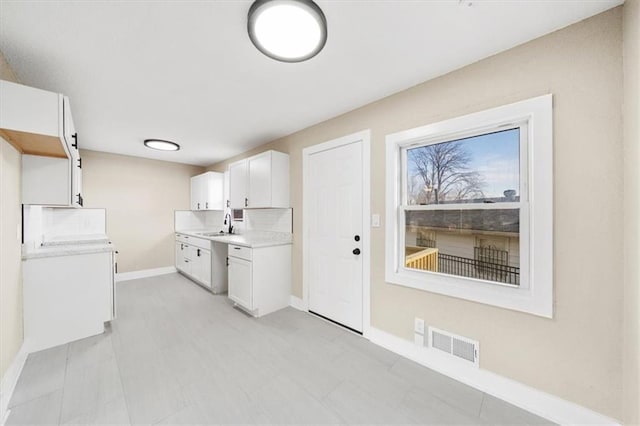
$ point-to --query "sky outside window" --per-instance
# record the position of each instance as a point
(480, 168)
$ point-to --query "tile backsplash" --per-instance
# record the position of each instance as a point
(275, 220)
(185, 220)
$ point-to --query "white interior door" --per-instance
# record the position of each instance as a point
(335, 215)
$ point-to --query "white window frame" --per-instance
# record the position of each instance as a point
(535, 293)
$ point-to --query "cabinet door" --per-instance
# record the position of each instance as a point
(76, 182)
(69, 129)
(196, 193)
(241, 282)
(225, 194)
(29, 110)
(238, 184)
(212, 190)
(200, 260)
(46, 180)
(182, 261)
(260, 180)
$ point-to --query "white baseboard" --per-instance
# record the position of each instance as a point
(533, 400)
(298, 304)
(9, 381)
(145, 273)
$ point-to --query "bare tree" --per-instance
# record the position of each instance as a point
(444, 169)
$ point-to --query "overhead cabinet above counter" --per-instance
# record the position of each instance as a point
(207, 191)
(39, 125)
(261, 181)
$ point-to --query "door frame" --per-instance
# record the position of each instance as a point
(364, 137)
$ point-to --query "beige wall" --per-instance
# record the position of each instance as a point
(11, 331)
(631, 59)
(577, 355)
(140, 196)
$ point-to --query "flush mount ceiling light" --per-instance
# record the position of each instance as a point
(161, 145)
(287, 30)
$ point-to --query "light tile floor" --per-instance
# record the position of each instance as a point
(177, 354)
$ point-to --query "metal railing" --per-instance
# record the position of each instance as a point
(477, 268)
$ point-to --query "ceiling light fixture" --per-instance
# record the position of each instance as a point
(161, 145)
(287, 30)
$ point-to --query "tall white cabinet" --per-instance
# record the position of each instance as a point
(261, 181)
(207, 191)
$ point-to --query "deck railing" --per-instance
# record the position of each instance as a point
(423, 259)
(430, 259)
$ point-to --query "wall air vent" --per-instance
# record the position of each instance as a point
(456, 346)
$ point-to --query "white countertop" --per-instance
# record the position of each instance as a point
(252, 239)
(69, 249)
(75, 239)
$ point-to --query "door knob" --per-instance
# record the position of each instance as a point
(356, 251)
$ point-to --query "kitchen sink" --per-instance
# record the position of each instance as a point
(213, 234)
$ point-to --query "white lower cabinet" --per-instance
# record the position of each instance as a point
(67, 298)
(203, 261)
(260, 278)
(241, 282)
(201, 265)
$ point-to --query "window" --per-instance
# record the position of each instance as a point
(460, 214)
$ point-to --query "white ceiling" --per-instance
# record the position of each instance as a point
(187, 72)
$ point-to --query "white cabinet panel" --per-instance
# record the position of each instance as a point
(196, 184)
(66, 298)
(196, 259)
(46, 180)
(201, 266)
(240, 282)
(30, 110)
(261, 181)
(260, 278)
(181, 258)
(207, 191)
(238, 181)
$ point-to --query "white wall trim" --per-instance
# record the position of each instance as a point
(533, 400)
(298, 304)
(9, 382)
(364, 137)
(535, 294)
(145, 273)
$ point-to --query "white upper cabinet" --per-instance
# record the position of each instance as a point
(207, 191)
(238, 183)
(32, 120)
(39, 124)
(261, 181)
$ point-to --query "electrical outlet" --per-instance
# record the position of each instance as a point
(418, 325)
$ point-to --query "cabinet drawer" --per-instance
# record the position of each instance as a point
(240, 252)
(200, 242)
(194, 241)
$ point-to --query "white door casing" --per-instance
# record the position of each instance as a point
(336, 210)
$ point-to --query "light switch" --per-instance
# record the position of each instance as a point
(375, 220)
